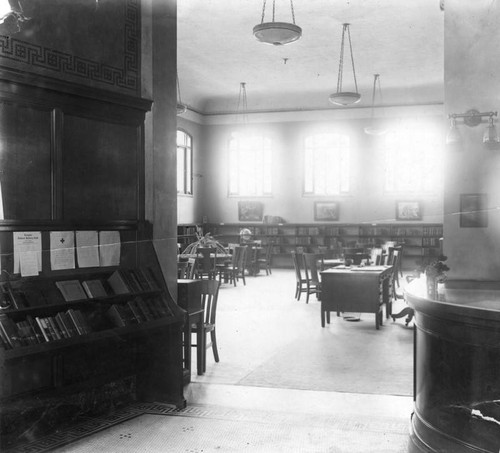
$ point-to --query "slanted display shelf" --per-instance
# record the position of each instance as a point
(83, 342)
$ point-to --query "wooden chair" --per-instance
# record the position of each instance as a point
(376, 256)
(206, 263)
(264, 262)
(233, 271)
(301, 282)
(313, 282)
(241, 266)
(209, 297)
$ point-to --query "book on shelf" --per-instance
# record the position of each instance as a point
(132, 280)
(26, 335)
(71, 290)
(36, 329)
(54, 328)
(118, 283)
(94, 288)
(136, 312)
(141, 278)
(44, 328)
(117, 316)
(10, 332)
(60, 325)
(68, 324)
(78, 320)
(148, 314)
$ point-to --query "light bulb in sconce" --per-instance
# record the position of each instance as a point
(453, 137)
(490, 136)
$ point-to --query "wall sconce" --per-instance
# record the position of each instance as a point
(472, 118)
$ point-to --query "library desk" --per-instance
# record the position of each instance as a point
(189, 299)
(356, 289)
(456, 367)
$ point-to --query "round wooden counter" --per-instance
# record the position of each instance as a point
(456, 368)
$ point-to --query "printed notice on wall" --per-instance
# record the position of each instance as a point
(62, 250)
(87, 248)
(27, 252)
(109, 248)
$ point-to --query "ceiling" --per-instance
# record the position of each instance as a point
(216, 50)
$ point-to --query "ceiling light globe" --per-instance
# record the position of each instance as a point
(344, 98)
(277, 33)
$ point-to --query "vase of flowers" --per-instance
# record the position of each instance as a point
(435, 273)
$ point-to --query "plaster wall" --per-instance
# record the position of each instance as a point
(367, 202)
(471, 82)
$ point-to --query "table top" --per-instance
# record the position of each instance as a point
(194, 255)
(357, 270)
(333, 262)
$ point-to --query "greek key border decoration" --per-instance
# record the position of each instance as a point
(50, 59)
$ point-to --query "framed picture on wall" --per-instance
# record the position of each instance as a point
(326, 210)
(473, 210)
(250, 211)
(408, 210)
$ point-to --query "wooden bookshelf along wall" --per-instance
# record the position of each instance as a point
(420, 241)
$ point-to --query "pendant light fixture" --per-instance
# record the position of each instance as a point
(345, 97)
(373, 129)
(181, 108)
(277, 33)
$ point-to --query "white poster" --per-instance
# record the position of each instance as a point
(27, 248)
(109, 248)
(62, 250)
(87, 248)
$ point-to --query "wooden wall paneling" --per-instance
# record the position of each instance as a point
(100, 171)
(25, 161)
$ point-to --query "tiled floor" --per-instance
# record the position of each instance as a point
(256, 325)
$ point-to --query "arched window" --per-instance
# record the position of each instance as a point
(413, 158)
(184, 163)
(249, 165)
(326, 164)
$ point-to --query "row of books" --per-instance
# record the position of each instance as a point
(138, 310)
(42, 329)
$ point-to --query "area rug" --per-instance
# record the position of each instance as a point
(204, 429)
(343, 357)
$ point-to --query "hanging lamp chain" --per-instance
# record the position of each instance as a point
(274, 11)
(352, 58)
(341, 62)
(293, 11)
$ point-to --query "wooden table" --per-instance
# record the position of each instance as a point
(189, 299)
(356, 289)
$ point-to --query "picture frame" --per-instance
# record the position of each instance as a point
(326, 211)
(408, 210)
(473, 210)
(250, 211)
